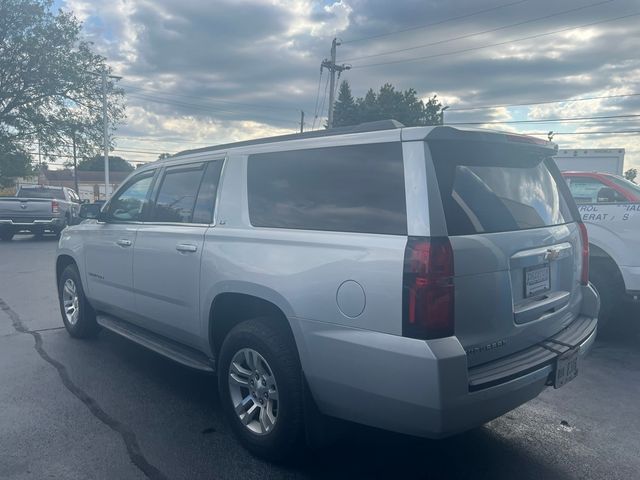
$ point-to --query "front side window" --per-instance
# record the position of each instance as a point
(177, 194)
(628, 186)
(589, 190)
(356, 188)
(129, 203)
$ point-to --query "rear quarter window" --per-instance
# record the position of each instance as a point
(489, 189)
(356, 188)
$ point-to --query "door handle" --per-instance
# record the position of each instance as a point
(186, 247)
(124, 242)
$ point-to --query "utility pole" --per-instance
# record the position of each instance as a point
(442, 114)
(333, 68)
(75, 164)
(301, 121)
(105, 134)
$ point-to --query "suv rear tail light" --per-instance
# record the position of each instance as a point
(584, 238)
(427, 288)
(55, 208)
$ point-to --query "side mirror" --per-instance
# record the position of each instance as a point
(89, 211)
(607, 195)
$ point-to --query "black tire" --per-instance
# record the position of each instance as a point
(85, 326)
(606, 278)
(58, 231)
(6, 235)
(277, 347)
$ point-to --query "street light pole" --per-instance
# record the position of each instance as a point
(442, 114)
(105, 134)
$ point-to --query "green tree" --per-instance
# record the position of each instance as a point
(631, 174)
(13, 164)
(387, 103)
(345, 110)
(96, 164)
(49, 90)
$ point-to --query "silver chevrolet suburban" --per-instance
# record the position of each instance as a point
(422, 280)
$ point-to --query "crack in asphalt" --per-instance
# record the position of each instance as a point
(128, 437)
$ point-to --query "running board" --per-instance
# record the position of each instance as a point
(178, 353)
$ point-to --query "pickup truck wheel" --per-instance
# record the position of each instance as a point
(260, 385)
(607, 281)
(6, 235)
(78, 316)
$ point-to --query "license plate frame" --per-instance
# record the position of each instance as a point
(537, 280)
(566, 367)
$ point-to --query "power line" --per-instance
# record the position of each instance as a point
(315, 109)
(205, 108)
(324, 98)
(608, 132)
(213, 100)
(567, 100)
(469, 35)
(546, 120)
(160, 140)
(471, 49)
(439, 22)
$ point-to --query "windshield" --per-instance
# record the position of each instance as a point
(626, 184)
(40, 193)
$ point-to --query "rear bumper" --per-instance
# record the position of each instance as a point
(26, 223)
(418, 387)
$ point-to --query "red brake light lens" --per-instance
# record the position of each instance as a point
(428, 290)
(55, 208)
(584, 239)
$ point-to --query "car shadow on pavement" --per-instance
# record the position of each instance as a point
(359, 452)
(175, 413)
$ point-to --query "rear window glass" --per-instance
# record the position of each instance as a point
(487, 189)
(41, 193)
(356, 188)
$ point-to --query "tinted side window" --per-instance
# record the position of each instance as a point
(177, 194)
(356, 188)
(129, 203)
(205, 204)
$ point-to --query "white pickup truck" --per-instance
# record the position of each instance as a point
(610, 207)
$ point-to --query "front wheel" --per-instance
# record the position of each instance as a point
(78, 316)
(260, 385)
(608, 282)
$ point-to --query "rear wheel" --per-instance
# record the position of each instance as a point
(78, 316)
(260, 385)
(606, 279)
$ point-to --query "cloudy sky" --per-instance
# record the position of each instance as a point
(202, 72)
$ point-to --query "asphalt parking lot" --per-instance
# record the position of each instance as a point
(106, 408)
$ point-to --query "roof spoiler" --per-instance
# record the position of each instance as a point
(512, 139)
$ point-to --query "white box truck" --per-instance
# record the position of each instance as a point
(604, 160)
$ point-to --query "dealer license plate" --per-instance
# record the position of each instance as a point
(537, 280)
(566, 367)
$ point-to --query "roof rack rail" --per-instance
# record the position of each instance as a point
(360, 128)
